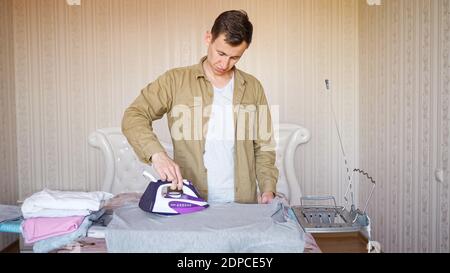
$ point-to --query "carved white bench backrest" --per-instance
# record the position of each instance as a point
(123, 170)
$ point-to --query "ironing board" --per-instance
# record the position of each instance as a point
(123, 174)
(123, 170)
(126, 204)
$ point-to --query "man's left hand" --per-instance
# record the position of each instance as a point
(267, 197)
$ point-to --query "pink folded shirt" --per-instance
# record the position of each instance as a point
(40, 228)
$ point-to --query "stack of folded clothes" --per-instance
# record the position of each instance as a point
(10, 219)
(56, 218)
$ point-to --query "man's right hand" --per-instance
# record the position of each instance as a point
(168, 170)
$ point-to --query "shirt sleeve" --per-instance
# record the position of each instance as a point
(154, 101)
(264, 147)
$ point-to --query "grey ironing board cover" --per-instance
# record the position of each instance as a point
(221, 228)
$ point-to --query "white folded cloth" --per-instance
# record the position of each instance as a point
(51, 203)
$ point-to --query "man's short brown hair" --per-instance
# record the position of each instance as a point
(235, 25)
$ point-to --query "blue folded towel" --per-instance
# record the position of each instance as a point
(13, 226)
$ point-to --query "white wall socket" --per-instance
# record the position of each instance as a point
(439, 175)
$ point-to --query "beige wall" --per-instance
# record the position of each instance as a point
(8, 156)
(405, 121)
(75, 69)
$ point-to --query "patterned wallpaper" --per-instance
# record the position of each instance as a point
(405, 121)
(8, 156)
(78, 68)
(66, 71)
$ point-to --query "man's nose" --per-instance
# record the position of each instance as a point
(225, 62)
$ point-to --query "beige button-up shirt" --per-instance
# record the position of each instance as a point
(186, 95)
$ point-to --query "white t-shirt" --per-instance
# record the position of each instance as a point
(219, 146)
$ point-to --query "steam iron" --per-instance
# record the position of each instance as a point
(159, 198)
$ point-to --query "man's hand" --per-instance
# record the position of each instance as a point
(267, 197)
(168, 170)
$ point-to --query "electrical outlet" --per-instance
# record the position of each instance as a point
(439, 175)
(327, 84)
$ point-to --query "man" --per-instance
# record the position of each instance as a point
(217, 143)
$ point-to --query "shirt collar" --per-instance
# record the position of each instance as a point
(200, 73)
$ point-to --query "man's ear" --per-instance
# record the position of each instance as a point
(208, 38)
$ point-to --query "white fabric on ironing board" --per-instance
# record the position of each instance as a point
(223, 227)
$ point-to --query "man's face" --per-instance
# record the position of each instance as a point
(221, 56)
